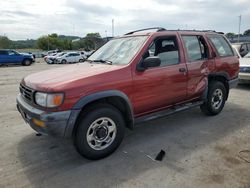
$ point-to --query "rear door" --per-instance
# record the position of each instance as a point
(159, 87)
(3, 56)
(70, 57)
(77, 57)
(197, 57)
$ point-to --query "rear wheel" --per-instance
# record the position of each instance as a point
(26, 62)
(100, 132)
(216, 99)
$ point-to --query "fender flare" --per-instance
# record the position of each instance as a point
(222, 74)
(94, 97)
(99, 95)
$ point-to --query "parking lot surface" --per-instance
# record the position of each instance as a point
(201, 151)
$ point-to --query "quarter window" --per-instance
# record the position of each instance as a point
(221, 45)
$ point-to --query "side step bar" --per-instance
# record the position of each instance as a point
(167, 112)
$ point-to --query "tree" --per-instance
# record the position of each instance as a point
(4, 42)
(247, 32)
(97, 35)
(52, 42)
(43, 43)
(230, 35)
(94, 41)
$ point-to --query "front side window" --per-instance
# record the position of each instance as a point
(243, 48)
(119, 51)
(166, 49)
(248, 46)
(221, 45)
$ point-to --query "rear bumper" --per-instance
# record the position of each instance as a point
(244, 77)
(59, 124)
(233, 83)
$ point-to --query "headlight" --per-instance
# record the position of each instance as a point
(48, 99)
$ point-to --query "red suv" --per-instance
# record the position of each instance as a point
(143, 75)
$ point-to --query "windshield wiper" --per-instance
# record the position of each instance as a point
(103, 61)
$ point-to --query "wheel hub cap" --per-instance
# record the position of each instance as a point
(101, 133)
(217, 99)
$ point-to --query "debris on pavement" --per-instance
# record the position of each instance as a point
(160, 155)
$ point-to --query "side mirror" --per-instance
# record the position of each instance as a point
(242, 50)
(149, 62)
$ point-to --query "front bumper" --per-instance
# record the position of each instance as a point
(58, 124)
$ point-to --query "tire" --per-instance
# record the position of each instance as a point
(63, 61)
(100, 131)
(26, 62)
(81, 60)
(216, 99)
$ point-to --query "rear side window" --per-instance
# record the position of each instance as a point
(3, 52)
(221, 45)
(193, 48)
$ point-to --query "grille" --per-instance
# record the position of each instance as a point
(26, 92)
(245, 69)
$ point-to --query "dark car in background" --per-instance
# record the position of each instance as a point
(14, 57)
(242, 47)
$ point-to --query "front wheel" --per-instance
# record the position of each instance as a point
(63, 61)
(100, 132)
(216, 99)
(26, 62)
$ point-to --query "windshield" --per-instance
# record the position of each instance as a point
(119, 51)
(60, 54)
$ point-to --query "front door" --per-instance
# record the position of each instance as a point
(13, 57)
(159, 87)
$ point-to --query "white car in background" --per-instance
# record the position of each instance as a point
(70, 57)
(51, 58)
(84, 54)
(89, 53)
(244, 74)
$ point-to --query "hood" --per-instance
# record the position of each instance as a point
(244, 62)
(52, 78)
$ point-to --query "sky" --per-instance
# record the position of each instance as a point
(30, 19)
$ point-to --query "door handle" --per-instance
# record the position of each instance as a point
(183, 70)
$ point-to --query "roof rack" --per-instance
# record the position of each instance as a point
(163, 29)
(150, 28)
